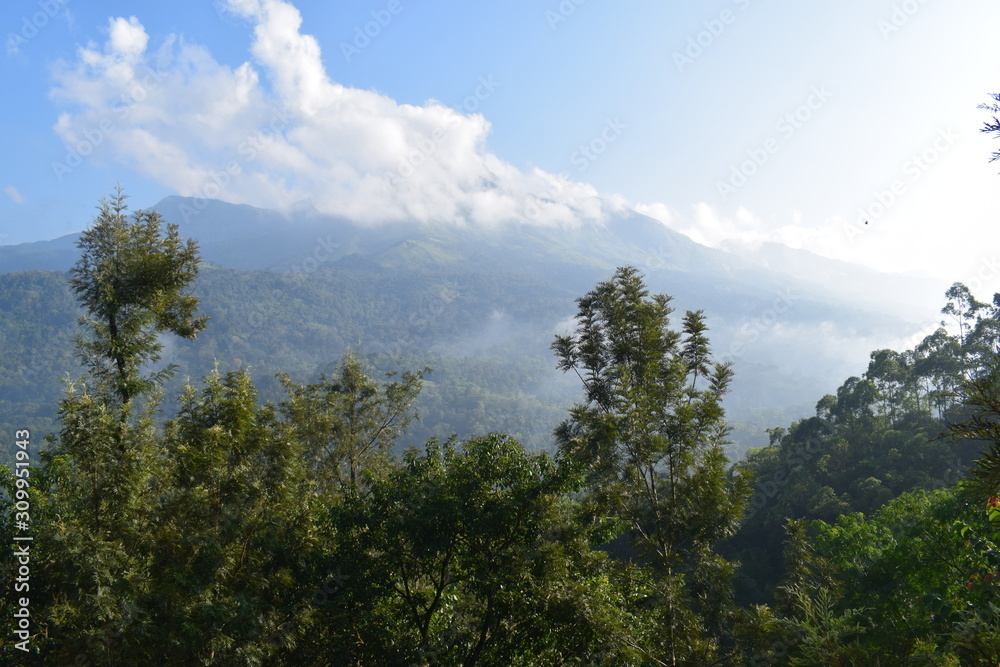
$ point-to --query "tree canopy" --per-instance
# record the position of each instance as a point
(230, 530)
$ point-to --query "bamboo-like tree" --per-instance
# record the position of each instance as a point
(234, 534)
(133, 279)
(472, 556)
(348, 423)
(992, 126)
(651, 444)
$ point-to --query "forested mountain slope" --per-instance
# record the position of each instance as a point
(884, 433)
(292, 292)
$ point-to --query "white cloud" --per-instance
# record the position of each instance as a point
(14, 194)
(657, 211)
(707, 227)
(128, 37)
(876, 245)
(277, 131)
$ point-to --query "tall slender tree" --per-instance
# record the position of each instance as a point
(651, 443)
(133, 279)
(102, 473)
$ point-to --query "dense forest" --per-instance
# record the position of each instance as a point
(485, 332)
(211, 527)
(270, 323)
(479, 306)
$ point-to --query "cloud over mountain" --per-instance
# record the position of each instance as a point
(277, 130)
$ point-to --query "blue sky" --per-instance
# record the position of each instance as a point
(734, 121)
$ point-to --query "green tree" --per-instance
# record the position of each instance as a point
(964, 309)
(983, 339)
(95, 492)
(349, 423)
(890, 372)
(938, 361)
(234, 533)
(651, 445)
(133, 280)
(101, 476)
(914, 583)
(472, 556)
(981, 423)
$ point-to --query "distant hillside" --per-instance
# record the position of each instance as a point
(291, 291)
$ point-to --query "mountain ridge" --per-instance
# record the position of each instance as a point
(247, 237)
(765, 321)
